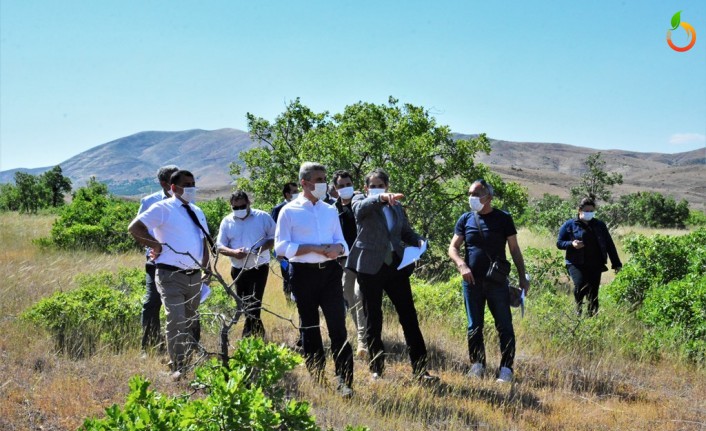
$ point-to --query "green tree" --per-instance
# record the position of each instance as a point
(31, 193)
(595, 182)
(9, 197)
(424, 162)
(57, 184)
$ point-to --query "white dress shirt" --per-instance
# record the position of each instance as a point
(172, 225)
(301, 222)
(251, 232)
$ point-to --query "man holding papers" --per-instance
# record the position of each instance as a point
(383, 234)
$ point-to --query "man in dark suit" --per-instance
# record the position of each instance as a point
(383, 233)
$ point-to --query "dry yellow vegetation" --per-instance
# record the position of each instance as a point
(41, 390)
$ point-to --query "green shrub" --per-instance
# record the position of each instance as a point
(245, 396)
(656, 261)
(94, 220)
(441, 302)
(547, 270)
(696, 218)
(102, 312)
(677, 312)
(214, 211)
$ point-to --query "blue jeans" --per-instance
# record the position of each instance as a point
(497, 297)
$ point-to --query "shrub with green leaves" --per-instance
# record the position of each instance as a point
(214, 211)
(247, 395)
(94, 220)
(655, 261)
(102, 312)
(440, 301)
(677, 312)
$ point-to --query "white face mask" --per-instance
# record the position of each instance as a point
(320, 190)
(375, 192)
(241, 214)
(294, 196)
(587, 215)
(189, 194)
(345, 193)
(475, 203)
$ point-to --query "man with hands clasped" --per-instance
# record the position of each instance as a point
(309, 235)
(245, 236)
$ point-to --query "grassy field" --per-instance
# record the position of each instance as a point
(555, 389)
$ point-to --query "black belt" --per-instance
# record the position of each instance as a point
(177, 269)
(318, 265)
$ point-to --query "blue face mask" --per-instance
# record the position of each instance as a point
(587, 215)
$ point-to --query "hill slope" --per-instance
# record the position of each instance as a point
(128, 164)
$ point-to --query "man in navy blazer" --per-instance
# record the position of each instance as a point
(383, 233)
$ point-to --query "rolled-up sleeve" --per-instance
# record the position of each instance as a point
(338, 237)
(283, 237)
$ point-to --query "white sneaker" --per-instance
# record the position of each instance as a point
(343, 389)
(477, 370)
(505, 375)
(375, 377)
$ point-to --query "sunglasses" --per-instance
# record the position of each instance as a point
(239, 207)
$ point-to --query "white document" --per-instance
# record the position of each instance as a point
(205, 292)
(412, 254)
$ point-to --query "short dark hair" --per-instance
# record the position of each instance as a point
(587, 202)
(287, 188)
(380, 173)
(238, 195)
(341, 173)
(486, 186)
(165, 172)
(177, 176)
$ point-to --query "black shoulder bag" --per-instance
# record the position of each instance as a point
(499, 267)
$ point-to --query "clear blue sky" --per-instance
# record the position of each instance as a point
(599, 74)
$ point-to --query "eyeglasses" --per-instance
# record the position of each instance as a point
(239, 207)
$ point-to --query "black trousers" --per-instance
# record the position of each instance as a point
(587, 280)
(396, 284)
(251, 288)
(316, 288)
(151, 305)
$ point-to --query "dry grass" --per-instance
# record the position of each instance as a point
(40, 390)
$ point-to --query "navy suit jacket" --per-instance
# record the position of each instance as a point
(374, 238)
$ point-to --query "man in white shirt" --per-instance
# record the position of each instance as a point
(245, 236)
(152, 303)
(309, 235)
(180, 251)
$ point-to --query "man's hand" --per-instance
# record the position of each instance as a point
(391, 198)
(155, 251)
(577, 244)
(466, 273)
(241, 253)
(332, 251)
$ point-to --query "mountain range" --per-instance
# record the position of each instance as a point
(128, 165)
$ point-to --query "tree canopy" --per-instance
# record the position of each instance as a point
(425, 163)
